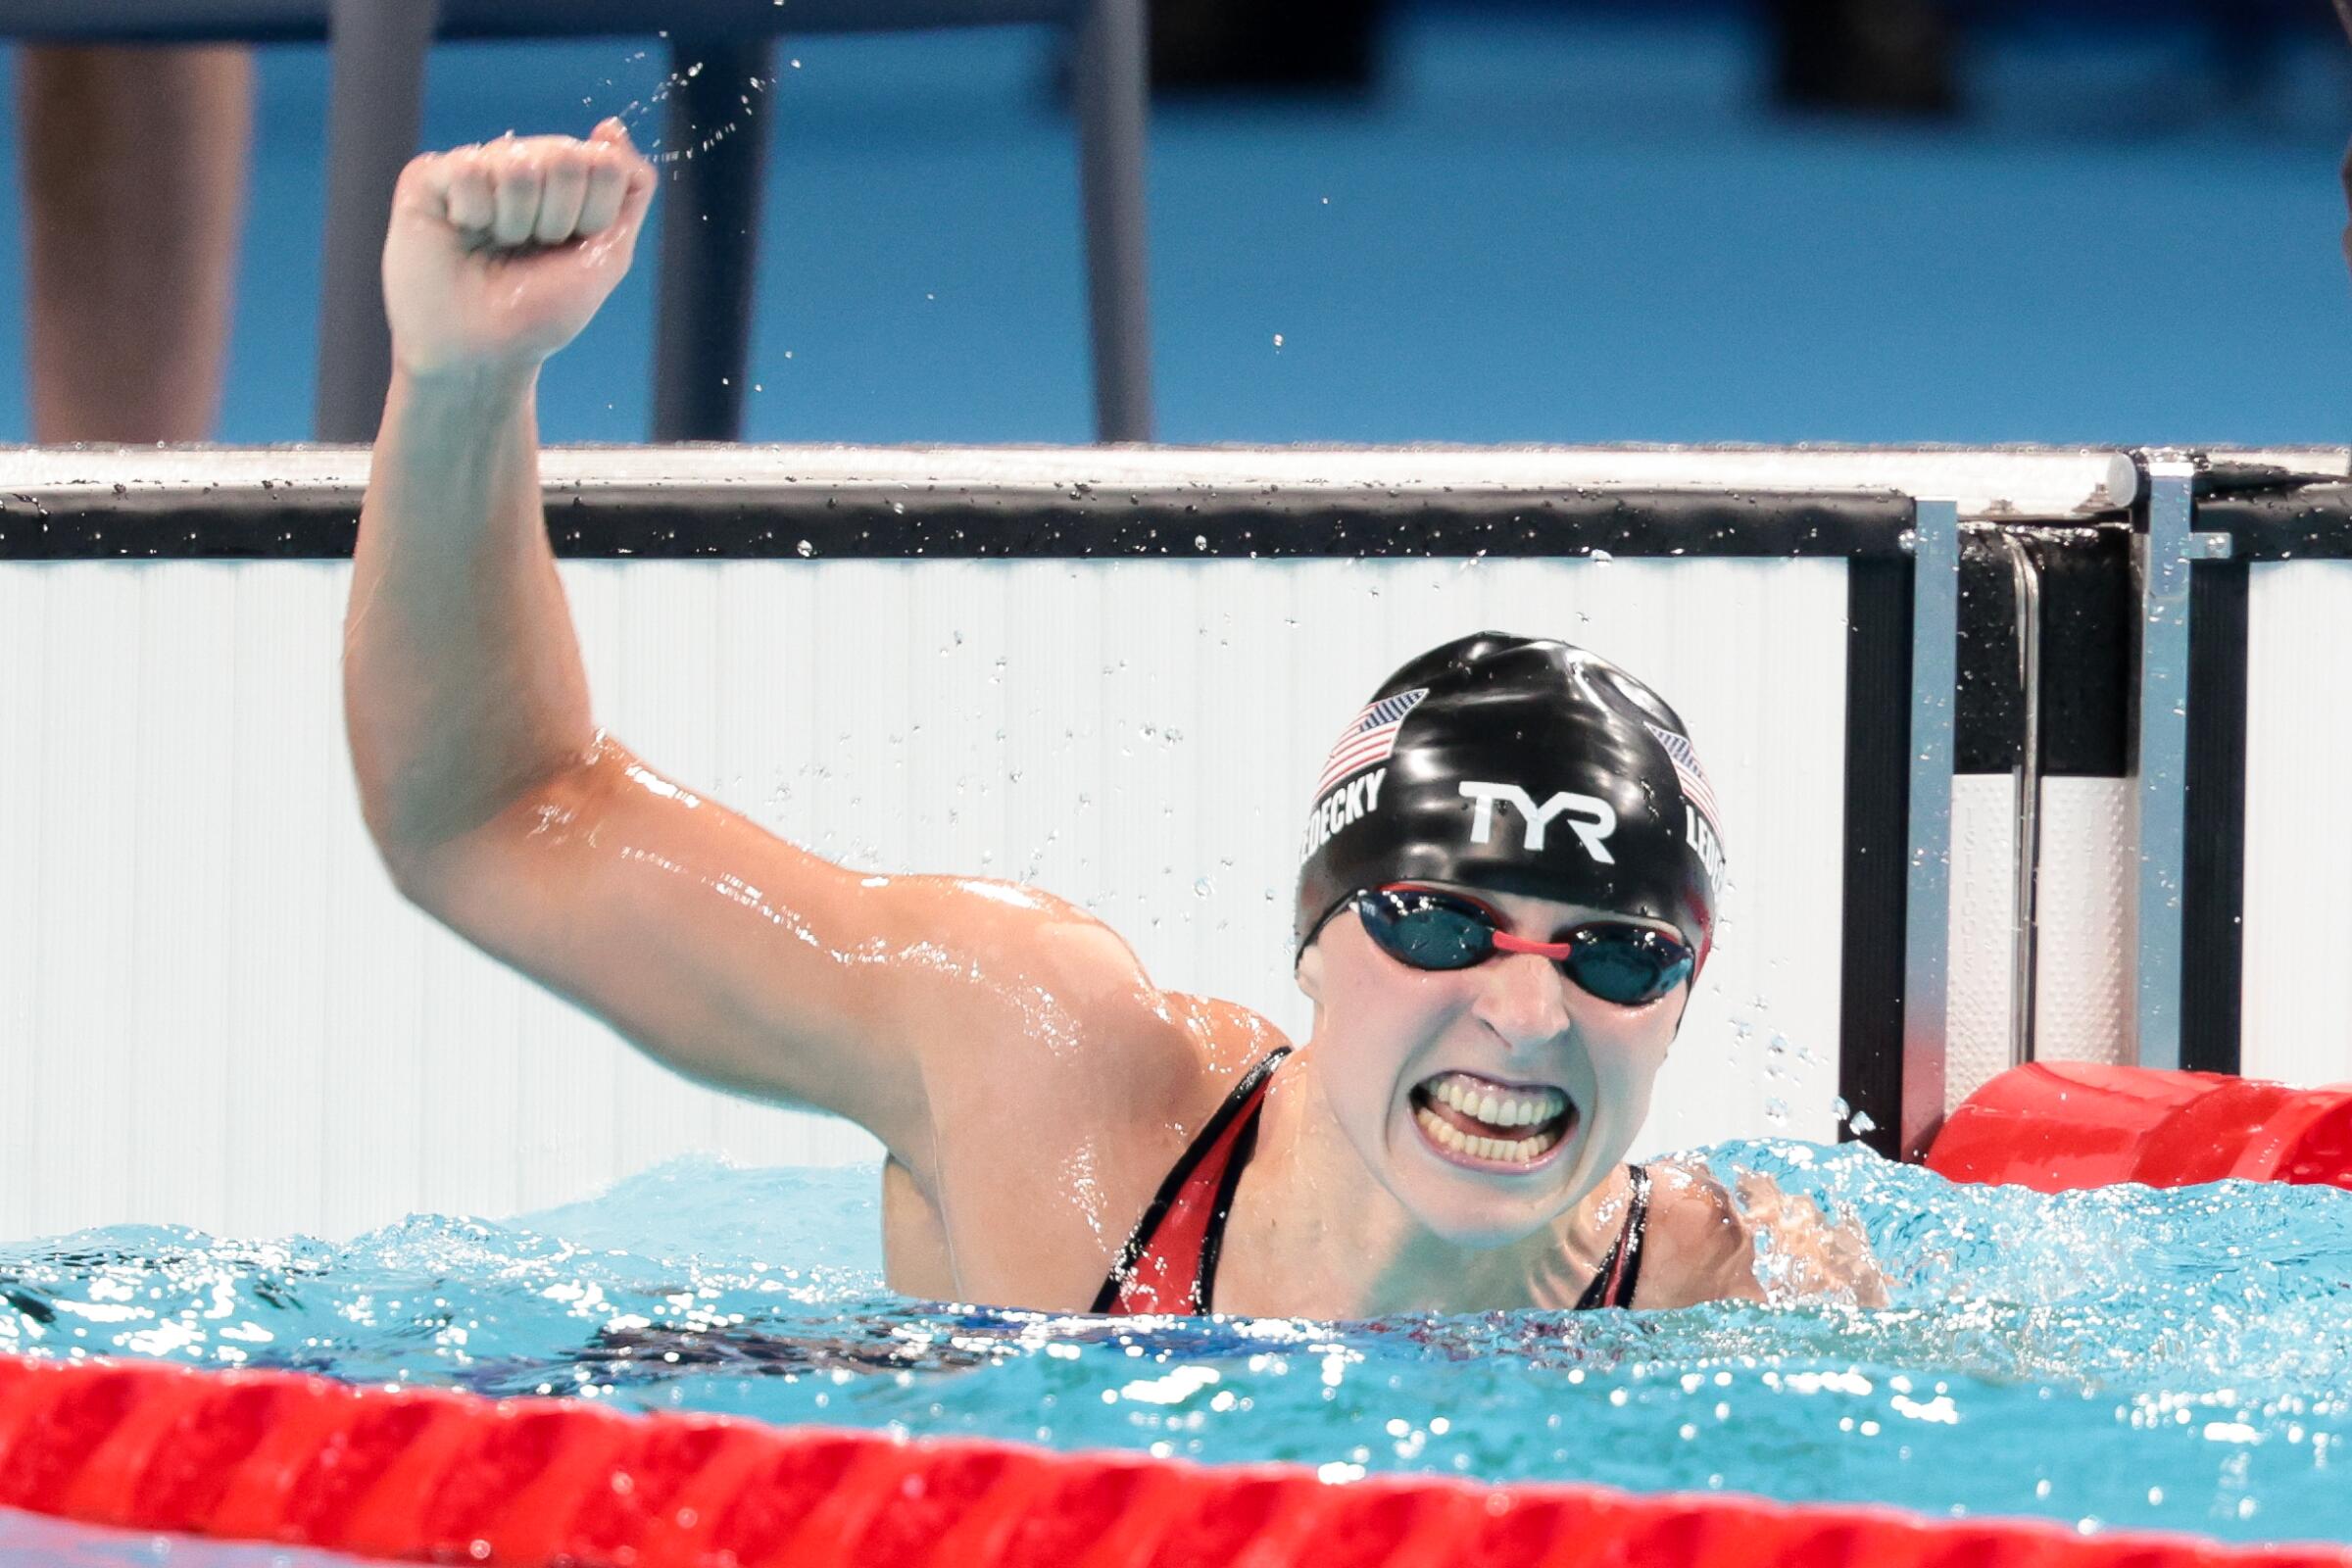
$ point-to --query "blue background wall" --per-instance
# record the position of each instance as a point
(1545, 226)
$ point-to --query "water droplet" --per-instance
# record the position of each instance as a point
(1278, 340)
(805, 548)
(1203, 887)
(1598, 558)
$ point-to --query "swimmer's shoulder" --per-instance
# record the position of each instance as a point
(1053, 1132)
(1224, 1039)
(1703, 1240)
(1077, 1000)
(1089, 1042)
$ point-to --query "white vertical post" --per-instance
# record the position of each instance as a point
(2162, 556)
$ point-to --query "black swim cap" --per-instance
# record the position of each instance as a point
(1517, 766)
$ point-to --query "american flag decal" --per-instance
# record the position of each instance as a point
(1689, 775)
(1370, 737)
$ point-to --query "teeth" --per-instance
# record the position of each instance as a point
(1504, 1151)
(1472, 1097)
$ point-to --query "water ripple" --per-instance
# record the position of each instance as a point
(2117, 1358)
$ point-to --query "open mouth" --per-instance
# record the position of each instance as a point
(1487, 1125)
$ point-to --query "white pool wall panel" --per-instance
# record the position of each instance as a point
(215, 1012)
(2083, 937)
(2298, 898)
(2086, 939)
(1982, 911)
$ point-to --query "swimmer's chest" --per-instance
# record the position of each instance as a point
(1040, 1231)
(1043, 1248)
(1036, 1194)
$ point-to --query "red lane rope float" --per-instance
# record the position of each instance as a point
(2055, 1125)
(434, 1476)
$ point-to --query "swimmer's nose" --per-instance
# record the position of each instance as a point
(1522, 999)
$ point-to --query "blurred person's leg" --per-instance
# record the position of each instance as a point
(135, 180)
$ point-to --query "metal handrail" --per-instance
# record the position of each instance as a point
(2024, 932)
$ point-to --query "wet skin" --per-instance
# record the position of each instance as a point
(1031, 1083)
(1348, 1208)
(1350, 1190)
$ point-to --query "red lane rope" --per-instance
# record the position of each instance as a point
(434, 1476)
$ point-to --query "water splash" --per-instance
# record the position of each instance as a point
(2125, 1356)
(645, 114)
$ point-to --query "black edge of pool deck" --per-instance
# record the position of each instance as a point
(292, 522)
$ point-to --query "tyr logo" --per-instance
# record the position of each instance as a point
(1592, 820)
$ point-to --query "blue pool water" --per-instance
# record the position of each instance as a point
(2112, 1359)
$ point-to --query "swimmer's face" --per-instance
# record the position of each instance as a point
(1409, 1058)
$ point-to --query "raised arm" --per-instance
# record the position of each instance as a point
(461, 674)
(501, 809)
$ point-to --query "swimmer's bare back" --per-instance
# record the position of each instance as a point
(1031, 1085)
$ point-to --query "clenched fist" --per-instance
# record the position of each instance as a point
(499, 254)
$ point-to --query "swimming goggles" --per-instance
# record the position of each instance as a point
(1615, 960)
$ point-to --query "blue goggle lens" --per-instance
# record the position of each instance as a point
(1615, 960)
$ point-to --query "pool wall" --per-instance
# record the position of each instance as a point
(2298, 901)
(218, 1013)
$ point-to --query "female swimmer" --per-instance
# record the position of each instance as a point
(1509, 882)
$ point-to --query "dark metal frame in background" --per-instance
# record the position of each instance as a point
(1877, 805)
(867, 519)
(702, 346)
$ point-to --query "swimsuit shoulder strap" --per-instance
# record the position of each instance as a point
(1169, 1264)
(1621, 1270)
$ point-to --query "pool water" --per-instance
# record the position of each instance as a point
(2115, 1358)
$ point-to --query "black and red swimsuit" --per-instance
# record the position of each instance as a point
(1169, 1265)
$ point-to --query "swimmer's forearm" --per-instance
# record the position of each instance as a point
(463, 683)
